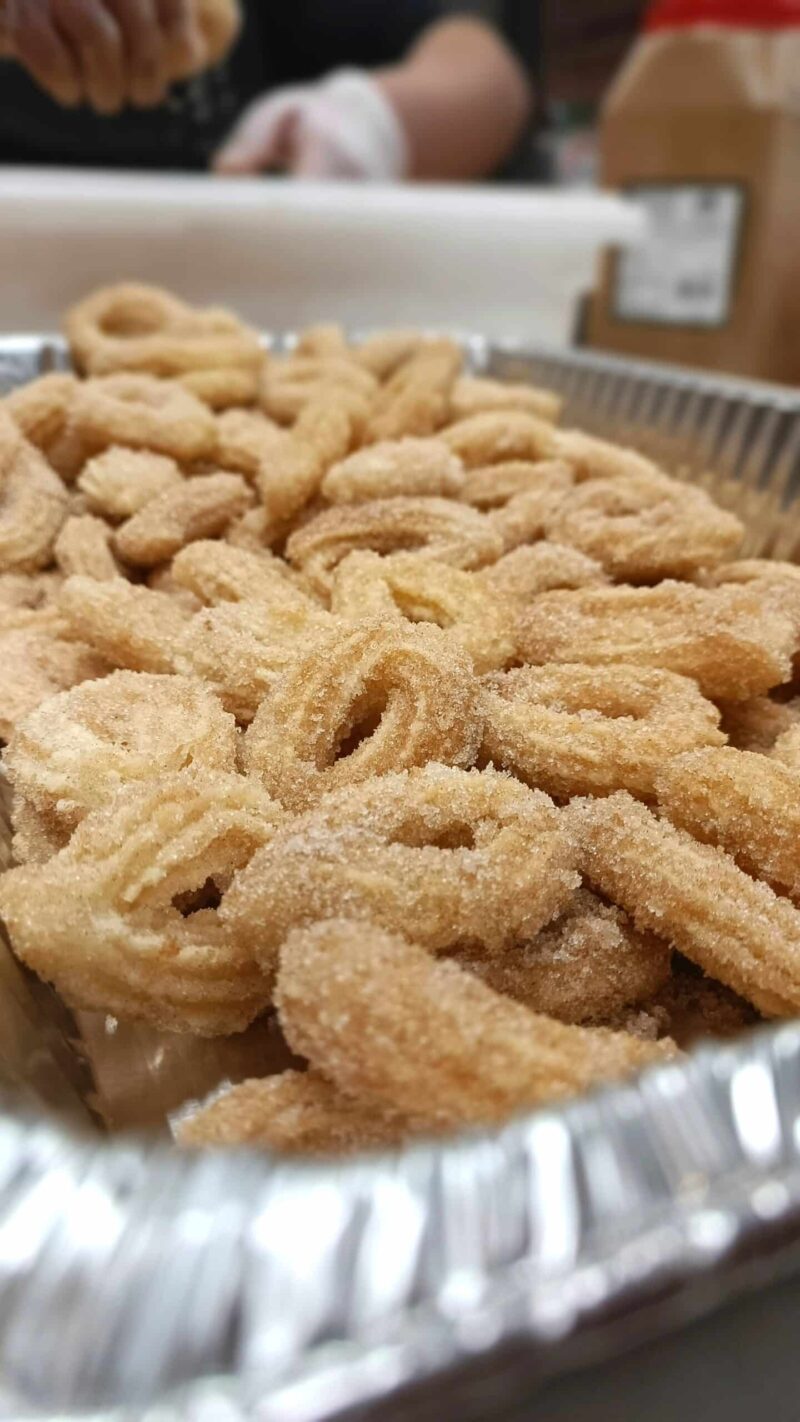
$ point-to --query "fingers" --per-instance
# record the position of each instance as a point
(145, 51)
(261, 139)
(95, 38)
(37, 45)
(185, 46)
(106, 53)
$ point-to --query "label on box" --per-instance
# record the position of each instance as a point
(683, 273)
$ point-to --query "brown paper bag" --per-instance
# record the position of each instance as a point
(702, 126)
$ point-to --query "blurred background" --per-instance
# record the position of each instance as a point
(621, 174)
(574, 51)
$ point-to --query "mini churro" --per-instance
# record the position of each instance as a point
(449, 856)
(439, 528)
(694, 895)
(589, 965)
(419, 589)
(748, 804)
(731, 640)
(363, 701)
(300, 639)
(588, 730)
(481, 1057)
(295, 1113)
(109, 930)
(73, 752)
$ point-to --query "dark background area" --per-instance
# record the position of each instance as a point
(578, 45)
(572, 52)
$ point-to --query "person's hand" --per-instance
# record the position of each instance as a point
(106, 53)
(340, 127)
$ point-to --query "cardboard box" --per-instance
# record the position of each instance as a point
(702, 127)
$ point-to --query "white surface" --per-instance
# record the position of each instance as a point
(506, 262)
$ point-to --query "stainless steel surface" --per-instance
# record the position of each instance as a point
(448, 1280)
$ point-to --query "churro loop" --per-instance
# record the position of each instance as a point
(245, 438)
(161, 580)
(324, 338)
(385, 352)
(758, 570)
(41, 408)
(525, 517)
(76, 750)
(775, 580)
(535, 568)
(131, 327)
(77, 504)
(33, 503)
(497, 436)
(194, 508)
(216, 572)
(593, 458)
(589, 730)
(416, 398)
(731, 640)
(475, 395)
(492, 485)
(143, 413)
(283, 402)
(307, 367)
(294, 1113)
(694, 895)
(241, 648)
(84, 546)
(450, 856)
(436, 528)
(38, 663)
(395, 467)
(117, 327)
(132, 627)
(253, 531)
(390, 1025)
(369, 699)
(225, 388)
(409, 587)
(110, 932)
(746, 803)
(643, 529)
(31, 591)
(291, 471)
(43, 618)
(119, 482)
(589, 965)
(287, 385)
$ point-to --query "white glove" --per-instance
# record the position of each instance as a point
(339, 127)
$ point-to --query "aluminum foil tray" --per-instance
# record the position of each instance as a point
(443, 1281)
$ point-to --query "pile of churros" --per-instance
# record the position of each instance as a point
(348, 686)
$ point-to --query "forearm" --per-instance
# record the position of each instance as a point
(462, 99)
